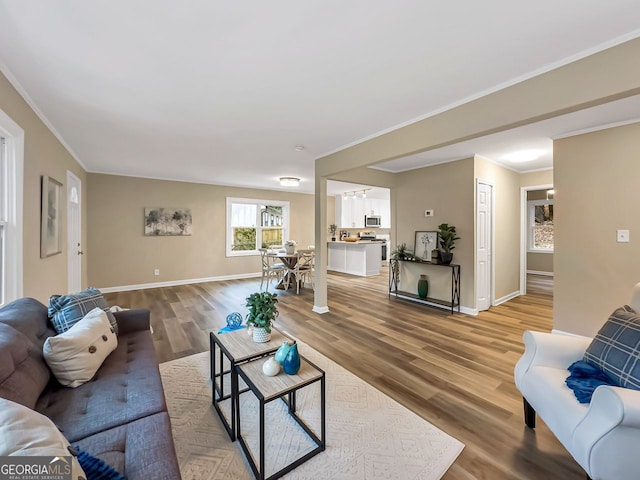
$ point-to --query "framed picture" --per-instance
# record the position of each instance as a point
(425, 243)
(50, 239)
(163, 221)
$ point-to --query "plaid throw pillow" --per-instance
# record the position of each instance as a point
(66, 310)
(616, 348)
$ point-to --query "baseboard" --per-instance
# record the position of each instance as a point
(506, 298)
(468, 311)
(568, 334)
(539, 272)
(318, 309)
(173, 283)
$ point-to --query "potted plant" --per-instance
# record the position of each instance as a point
(402, 252)
(290, 247)
(447, 242)
(262, 313)
(332, 230)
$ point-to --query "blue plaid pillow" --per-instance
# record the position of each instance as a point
(66, 310)
(616, 348)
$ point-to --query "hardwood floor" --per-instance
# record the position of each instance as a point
(456, 371)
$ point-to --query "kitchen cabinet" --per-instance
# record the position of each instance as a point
(356, 258)
(351, 212)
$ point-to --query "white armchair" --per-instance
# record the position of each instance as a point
(602, 436)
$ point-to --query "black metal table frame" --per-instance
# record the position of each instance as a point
(291, 404)
(394, 280)
(218, 388)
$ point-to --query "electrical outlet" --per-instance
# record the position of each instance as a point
(156, 272)
(428, 213)
(623, 236)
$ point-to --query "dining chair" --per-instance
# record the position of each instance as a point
(269, 269)
(304, 269)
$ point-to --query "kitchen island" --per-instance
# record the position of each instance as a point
(361, 258)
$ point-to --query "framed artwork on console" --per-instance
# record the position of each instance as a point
(425, 243)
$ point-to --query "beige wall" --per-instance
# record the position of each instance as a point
(119, 254)
(596, 192)
(447, 189)
(507, 225)
(540, 262)
(541, 177)
(43, 155)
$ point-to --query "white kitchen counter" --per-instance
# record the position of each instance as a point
(361, 258)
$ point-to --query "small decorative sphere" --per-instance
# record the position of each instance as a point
(271, 367)
(234, 319)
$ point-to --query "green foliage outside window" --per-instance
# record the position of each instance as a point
(244, 239)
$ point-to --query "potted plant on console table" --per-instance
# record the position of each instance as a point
(262, 313)
(447, 242)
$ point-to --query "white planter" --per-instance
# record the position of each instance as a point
(290, 249)
(260, 335)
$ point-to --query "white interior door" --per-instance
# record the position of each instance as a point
(484, 228)
(74, 233)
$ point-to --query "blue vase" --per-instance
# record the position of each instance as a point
(281, 353)
(291, 364)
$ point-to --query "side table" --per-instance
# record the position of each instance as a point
(237, 347)
(267, 389)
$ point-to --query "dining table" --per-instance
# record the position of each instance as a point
(289, 260)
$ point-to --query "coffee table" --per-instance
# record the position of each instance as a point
(267, 389)
(237, 347)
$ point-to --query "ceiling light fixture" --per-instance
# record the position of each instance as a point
(356, 193)
(289, 181)
(524, 156)
(299, 148)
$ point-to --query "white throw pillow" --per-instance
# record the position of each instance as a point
(75, 356)
(24, 432)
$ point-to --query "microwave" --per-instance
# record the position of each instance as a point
(372, 221)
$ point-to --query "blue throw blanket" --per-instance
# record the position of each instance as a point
(584, 379)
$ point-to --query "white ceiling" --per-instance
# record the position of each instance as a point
(222, 92)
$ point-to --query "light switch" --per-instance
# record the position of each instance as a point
(623, 236)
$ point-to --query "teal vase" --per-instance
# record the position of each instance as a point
(423, 286)
(291, 364)
(282, 351)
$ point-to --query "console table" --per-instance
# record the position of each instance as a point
(394, 282)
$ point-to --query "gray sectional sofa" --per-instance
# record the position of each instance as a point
(120, 416)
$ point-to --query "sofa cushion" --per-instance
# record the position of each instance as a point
(616, 348)
(23, 372)
(141, 450)
(76, 355)
(24, 432)
(65, 310)
(95, 468)
(125, 388)
(29, 317)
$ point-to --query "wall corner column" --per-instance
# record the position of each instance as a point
(320, 304)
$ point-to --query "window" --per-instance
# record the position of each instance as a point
(540, 225)
(11, 167)
(253, 224)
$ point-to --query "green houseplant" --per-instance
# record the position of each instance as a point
(402, 252)
(332, 230)
(448, 239)
(262, 313)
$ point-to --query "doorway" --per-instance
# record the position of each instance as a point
(532, 250)
(74, 233)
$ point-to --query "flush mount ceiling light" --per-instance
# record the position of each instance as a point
(289, 181)
(524, 156)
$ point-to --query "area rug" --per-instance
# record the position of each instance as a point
(368, 435)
